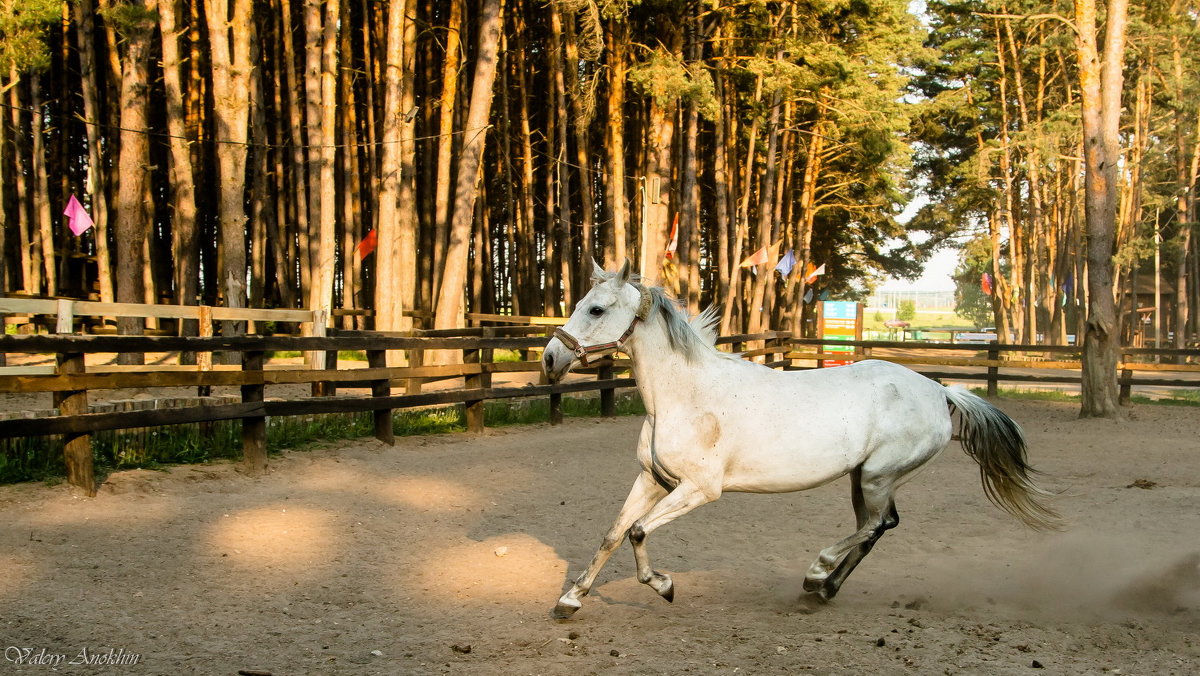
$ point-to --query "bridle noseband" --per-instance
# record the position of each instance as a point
(605, 349)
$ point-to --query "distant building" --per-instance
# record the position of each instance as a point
(922, 300)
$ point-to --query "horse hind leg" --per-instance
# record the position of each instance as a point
(642, 497)
(833, 583)
(875, 513)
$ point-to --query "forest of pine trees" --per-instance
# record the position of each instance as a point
(239, 152)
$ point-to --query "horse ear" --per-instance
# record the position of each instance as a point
(597, 272)
(622, 277)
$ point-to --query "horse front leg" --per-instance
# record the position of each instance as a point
(642, 497)
(683, 499)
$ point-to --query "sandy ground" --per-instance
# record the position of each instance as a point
(445, 554)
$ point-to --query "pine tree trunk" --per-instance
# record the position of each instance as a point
(134, 167)
(451, 65)
(530, 289)
(617, 201)
(1100, 88)
(31, 269)
(454, 276)
(409, 223)
(759, 311)
(721, 206)
(298, 166)
(389, 305)
(41, 191)
(229, 32)
(183, 198)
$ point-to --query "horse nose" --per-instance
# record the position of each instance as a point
(548, 362)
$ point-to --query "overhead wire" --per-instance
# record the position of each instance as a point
(77, 117)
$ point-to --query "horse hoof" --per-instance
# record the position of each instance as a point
(668, 593)
(827, 592)
(811, 585)
(564, 610)
(663, 585)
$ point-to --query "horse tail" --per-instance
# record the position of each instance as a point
(996, 442)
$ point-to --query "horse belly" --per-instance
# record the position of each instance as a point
(785, 467)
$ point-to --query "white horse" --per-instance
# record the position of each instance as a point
(715, 422)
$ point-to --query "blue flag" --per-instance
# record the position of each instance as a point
(785, 264)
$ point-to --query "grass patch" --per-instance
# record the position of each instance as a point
(1029, 395)
(41, 458)
(1174, 398)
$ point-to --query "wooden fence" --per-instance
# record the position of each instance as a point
(1138, 366)
(70, 380)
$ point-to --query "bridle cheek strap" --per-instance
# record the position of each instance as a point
(605, 349)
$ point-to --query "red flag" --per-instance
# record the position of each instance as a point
(985, 283)
(367, 245)
(674, 243)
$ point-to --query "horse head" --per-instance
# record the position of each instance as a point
(601, 323)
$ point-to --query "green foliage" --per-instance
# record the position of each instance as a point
(129, 17)
(907, 311)
(970, 302)
(664, 77)
(22, 43)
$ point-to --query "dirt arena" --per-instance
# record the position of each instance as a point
(445, 554)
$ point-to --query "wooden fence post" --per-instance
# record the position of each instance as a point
(77, 448)
(204, 358)
(254, 430)
(556, 415)
(481, 380)
(382, 387)
(1126, 387)
(608, 396)
(66, 316)
(318, 358)
(993, 372)
(416, 359)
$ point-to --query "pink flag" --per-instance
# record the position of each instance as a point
(77, 217)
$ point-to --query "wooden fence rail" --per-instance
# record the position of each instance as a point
(1060, 362)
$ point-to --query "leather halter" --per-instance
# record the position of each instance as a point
(605, 349)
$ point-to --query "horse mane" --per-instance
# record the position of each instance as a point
(691, 336)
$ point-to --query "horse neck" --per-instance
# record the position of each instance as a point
(662, 372)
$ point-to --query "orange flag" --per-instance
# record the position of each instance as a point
(673, 245)
(757, 258)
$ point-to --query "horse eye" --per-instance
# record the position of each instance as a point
(596, 311)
